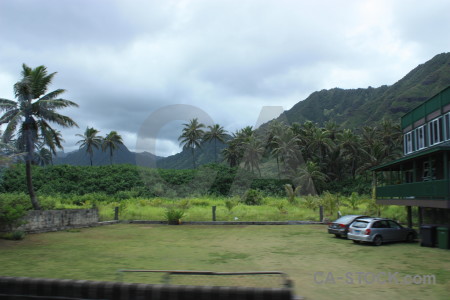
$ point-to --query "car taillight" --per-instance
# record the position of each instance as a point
(342, 225)
(367, 232)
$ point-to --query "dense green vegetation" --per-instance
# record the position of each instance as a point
(300, 251)
(137, 181)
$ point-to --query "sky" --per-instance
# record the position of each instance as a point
(125, 62)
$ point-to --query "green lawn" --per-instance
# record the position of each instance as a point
(301, 251)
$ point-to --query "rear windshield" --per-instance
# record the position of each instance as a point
(360, 224)
(345, 219)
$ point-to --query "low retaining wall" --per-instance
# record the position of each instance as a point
(228, 222)
(54, 220)
(39, 288)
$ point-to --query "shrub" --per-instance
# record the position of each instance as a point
(184, 203)
(199, 202)
(173, 215)
(12, 208)
(14, 235)
(230, 204)
(252, 197)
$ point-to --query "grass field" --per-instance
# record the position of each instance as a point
(302, 251)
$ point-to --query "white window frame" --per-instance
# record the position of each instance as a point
(420, 138)
(446, 122)
(434, 132)
(408, 142)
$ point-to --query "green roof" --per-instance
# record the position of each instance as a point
(441, 147)
(434, 103)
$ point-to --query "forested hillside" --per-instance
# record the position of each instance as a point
(355, 108)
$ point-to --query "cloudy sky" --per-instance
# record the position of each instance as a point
(123, 61)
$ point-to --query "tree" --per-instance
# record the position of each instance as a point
(310, 178)
(30, 115)
(90, 140)
(320, 143)
(42, 156)
(192, 136)
(253, 151)
(112, 141)
(216, 133)
(285, 146)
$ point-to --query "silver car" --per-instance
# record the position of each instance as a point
(378, 231)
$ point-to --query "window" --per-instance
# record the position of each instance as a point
(447, 126)
(420, 137)
(435, 131)
(408, 143)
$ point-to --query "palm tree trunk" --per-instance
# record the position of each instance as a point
(110, 155)
(30, 148)
(193, 157)
(215, 150)
(30, 187)
(90, 158)
(278, 167)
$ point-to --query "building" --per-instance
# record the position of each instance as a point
(421, 178)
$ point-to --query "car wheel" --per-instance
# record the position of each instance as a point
(377, 240)
(410, 238)
(337, 235)
(356, 242)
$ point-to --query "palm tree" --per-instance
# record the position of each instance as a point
(192, 136)
(112, 141)
(253, 151)
(320, 142)
(232, 154)
(90, 140)
(31, 113)
(216, 133)
(43, 156)
(350, 144)
(285, 146)
(310, 177)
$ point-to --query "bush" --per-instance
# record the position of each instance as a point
(252, 197)
(14, 236)
(174, 215)
(230, 204)
(12, 208)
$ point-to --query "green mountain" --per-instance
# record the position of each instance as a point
(354, 108)
(183, 160)
(121, 156)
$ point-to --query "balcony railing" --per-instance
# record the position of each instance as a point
(438, 189)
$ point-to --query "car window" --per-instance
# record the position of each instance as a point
(360, 224)
(345, 219)
(380, 224)
(393, 224)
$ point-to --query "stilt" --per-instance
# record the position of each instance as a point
(409, 216)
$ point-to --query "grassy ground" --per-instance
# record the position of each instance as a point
(272, 209)
(301, 251)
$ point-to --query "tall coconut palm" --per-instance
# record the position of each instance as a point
(285, 146)
(192, 136)
(31, 113)
(351, 146)
(320, 143)
(253, 152)
(232, 154)
(216, 133)
(310, 177)
(112, 141)
(90, 140)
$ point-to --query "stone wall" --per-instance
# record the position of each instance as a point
(54, 220)
(40, 288)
